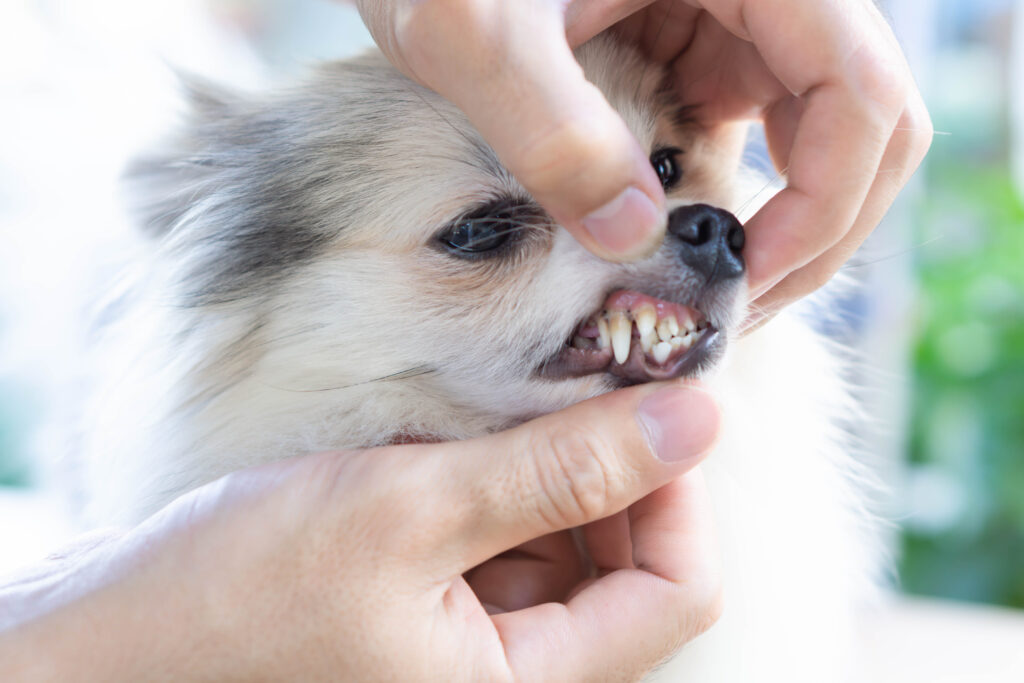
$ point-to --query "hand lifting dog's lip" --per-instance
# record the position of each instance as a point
(639, 338)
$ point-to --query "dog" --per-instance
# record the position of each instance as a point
(346, 263)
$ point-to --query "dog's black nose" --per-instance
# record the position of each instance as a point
(711, 241)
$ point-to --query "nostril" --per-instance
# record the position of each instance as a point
(710, 241)
(736, 239)
(697, 232)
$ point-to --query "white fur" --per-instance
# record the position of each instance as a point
(190, 393)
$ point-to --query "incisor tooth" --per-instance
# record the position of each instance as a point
(661, 352)
(647, 341)
(621, 329)
(603, 338)
(646, 318)
(668, 328)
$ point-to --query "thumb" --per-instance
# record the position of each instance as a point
(569, 468)
(509, 68)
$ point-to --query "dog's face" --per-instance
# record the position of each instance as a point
(371, 238)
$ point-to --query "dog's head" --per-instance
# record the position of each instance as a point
(376, 248)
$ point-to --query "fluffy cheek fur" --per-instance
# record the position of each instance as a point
(463, 336)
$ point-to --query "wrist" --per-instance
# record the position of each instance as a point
(93, 615)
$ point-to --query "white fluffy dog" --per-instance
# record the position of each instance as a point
(347, 264)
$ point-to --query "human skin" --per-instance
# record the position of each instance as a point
(844, 121)
(377, 564)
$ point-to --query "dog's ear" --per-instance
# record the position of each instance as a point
(164, 184)
(247, 189)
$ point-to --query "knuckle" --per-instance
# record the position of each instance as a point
(571, 148)
(882, 79)
(575, 477)
(922, 131)
(819, 276)
(703, 605)
(425, 32)
(700, 606)
(708, 610)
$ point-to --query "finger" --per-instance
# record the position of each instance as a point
(660, 29)
(609, 544)
(509, 68)
(542, 570)
(566, 469)
(910, 142)
(585, 19)
(623, 624)
(843, 62)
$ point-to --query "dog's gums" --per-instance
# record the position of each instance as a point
(638, 338)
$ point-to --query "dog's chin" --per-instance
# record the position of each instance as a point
(637, 338)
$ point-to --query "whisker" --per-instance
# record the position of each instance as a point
(409, 373)
(643, 71)
(913, 130)
(851, 265)
(515, 228)
(441, 116)
(743, 207)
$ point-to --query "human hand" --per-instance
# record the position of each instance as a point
(843, 117)
(350, 565)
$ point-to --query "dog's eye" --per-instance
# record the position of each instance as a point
(477, 235)
(666, 164)
(491, 230)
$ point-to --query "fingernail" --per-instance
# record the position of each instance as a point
(626, 224)
(681, 423)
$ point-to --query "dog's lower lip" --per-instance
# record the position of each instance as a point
(600, 344)
(571, 362)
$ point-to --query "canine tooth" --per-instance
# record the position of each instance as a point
(661, 351)
(621, 329)
(668, 328)
(646, 318)
(603, 336)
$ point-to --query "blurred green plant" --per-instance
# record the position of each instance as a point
(967, 431)
(14, 470)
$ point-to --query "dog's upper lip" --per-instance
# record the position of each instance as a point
(638, 338)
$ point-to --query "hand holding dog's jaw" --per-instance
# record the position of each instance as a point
(843, 117)
(352, 564)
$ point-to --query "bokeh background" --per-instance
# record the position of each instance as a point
(939, 322)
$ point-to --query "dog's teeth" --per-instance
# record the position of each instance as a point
(661, 352)
(621, 329)
(647, 341)
(646, 318)
(603, 338)
(668, 328)
(579, 342)
(689, 325)
(683, 342)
